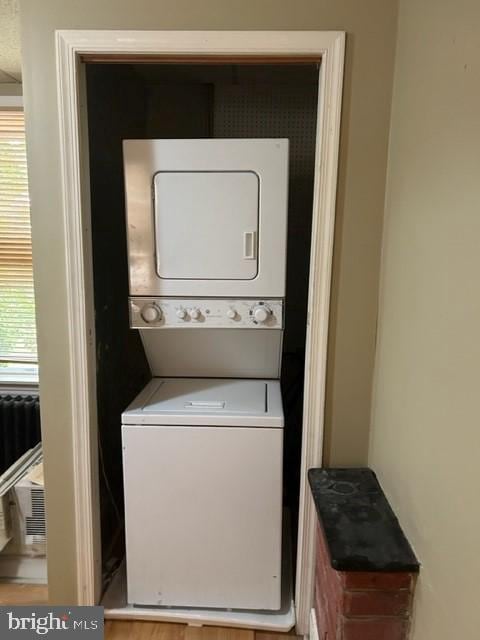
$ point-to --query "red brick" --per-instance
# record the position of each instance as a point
(322, 548)
(323, 564)
(331, 607)
(329, 581)
(374, 629)
(372, 603)
(376, 580)
(360, 605)
(325, 623)
(333, 616)
(321, 616)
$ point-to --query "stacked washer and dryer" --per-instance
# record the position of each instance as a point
(203, 442)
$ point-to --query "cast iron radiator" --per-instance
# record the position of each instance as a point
(19, 427)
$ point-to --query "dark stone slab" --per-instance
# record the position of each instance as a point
(361, 530)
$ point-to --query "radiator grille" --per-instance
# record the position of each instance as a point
(19, 427)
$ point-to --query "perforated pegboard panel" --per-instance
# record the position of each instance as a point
(270, 111)
(252, 110)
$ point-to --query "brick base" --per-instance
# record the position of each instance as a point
(352, 605)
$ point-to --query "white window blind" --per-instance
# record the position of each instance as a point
(18, 345)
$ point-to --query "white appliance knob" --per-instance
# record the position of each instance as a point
(195, 313)
(261, 313)
(232, 314)
(181, 313)
(151, 313)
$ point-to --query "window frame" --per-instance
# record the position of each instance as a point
(15, 381)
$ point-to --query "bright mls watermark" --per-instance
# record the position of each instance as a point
(55, 622)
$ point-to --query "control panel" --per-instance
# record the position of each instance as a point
(218, 313)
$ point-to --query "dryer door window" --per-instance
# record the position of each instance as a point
(206, 224)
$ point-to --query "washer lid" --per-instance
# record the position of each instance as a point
(204, 401)
(208, 396)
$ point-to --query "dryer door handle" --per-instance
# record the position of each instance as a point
(249, 245)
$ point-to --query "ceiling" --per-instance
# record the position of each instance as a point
(10, 59)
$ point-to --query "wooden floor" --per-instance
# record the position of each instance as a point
(123, 630)
(23, 593)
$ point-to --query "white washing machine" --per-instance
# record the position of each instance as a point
(203, 488)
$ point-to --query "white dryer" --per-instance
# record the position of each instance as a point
(203, 489)
(207, 235)
(206, 218)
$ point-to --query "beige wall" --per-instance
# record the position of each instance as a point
(371, 28)
(425, 440)
(10, 89)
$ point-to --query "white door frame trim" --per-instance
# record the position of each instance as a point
(70, 46)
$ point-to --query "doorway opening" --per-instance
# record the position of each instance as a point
(73, 48)
(191, 101)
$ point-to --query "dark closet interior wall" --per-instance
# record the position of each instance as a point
(116, 110)
(196, 101)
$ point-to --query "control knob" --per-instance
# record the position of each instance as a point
(261, 313)
(151, 313)
(232, 314)
(181, 314)
(195, 313)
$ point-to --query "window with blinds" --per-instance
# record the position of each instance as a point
(18, 345)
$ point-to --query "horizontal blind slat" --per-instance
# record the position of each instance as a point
(17, 307)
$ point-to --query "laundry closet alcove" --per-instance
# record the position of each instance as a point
(120, 85)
